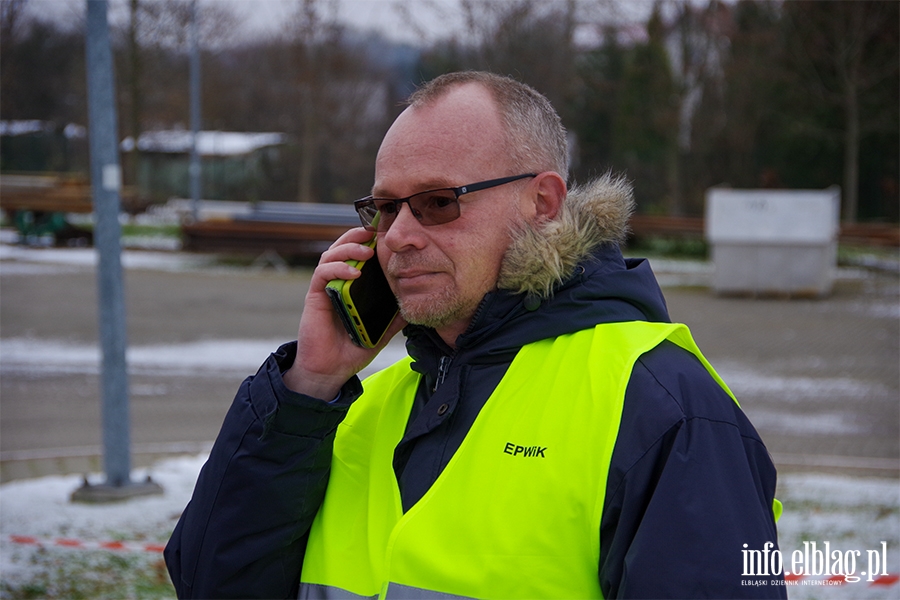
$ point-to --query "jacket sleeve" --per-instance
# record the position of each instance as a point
(690, 487)
(244, 532)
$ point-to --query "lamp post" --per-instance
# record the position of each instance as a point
(106, 183)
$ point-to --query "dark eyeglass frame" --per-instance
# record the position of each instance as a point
(369, 208)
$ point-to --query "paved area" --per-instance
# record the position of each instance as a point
(819, 378)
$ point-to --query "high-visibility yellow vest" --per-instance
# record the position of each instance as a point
(516, 512)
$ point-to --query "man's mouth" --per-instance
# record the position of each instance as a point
(411, 274)
(407, 279)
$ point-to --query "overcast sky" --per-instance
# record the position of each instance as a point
(268, 16)
(432, 18)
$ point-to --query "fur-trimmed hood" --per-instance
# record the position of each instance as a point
(541, 258)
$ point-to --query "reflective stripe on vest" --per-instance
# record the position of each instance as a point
(516, 512)
(310, 591)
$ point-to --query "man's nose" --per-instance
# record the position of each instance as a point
(405, 230)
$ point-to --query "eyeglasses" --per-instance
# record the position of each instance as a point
(434, 207)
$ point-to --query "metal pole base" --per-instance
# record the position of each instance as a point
(104, 492)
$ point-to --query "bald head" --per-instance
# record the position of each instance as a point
(534, 135)
(457, 137)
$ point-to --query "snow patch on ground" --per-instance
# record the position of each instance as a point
(88, 257)
(749, 382)
(851, 513)
(43, 356)
(41, 508)
(804, 423)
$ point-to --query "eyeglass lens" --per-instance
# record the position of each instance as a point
(430, 208)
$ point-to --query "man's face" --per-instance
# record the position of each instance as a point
(441, 273)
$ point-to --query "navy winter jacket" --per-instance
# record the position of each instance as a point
(690, 482)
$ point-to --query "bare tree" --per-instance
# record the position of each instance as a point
(646, 122)
(41, 67)
(752, 99)
(843, 52)
(340, 104)
(133, 86)
(696, 43)
(152, 51)
(531, 40)
(11, 14)
(312, 29)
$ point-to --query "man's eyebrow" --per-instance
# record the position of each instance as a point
(424, 186)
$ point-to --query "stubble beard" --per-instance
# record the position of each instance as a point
(437, 310)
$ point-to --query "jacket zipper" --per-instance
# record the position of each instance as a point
(443, 367)
(444, 364)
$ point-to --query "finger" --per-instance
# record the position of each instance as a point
(349, 246)
(359, 235)
(346, 251)
(333, 263)
(332, 270)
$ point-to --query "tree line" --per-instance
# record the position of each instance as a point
(752, 93)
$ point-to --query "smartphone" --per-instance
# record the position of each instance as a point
(366, 305)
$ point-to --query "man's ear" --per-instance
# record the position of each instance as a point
(550, 192)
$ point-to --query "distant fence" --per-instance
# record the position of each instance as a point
(866, 234)
(293, 230)
(290, 240)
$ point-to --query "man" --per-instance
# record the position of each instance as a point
(552, 435)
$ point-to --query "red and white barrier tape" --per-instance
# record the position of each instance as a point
(881, 580)
(114, 545)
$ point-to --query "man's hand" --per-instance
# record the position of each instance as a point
(326, 357)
